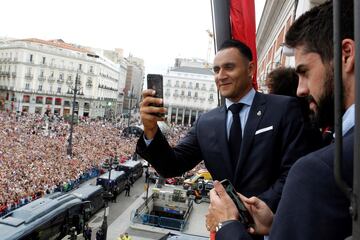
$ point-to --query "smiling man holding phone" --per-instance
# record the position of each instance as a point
(252, 140)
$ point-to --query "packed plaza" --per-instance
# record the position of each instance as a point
(34, 160)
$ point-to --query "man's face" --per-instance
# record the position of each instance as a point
(233, 73)
(316, 84)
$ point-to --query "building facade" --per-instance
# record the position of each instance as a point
(276, 19)
(189, 90)
(38, 76)
(134, 83)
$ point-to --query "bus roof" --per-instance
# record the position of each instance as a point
(114, 175)
(84, 192)
(21, 221)
(130, 163)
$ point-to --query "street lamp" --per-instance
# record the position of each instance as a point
(69, 147)
(107, 113)
(111, 164)
(130, 104)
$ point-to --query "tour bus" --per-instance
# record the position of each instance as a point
(117, 181)
(94, 195)
(133, 169)
(46, 218)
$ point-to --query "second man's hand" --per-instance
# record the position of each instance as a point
(148, 111)
(222, 208)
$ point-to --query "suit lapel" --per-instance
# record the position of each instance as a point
(220, 126)
(257, 110)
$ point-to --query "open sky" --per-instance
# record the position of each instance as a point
(157, 31)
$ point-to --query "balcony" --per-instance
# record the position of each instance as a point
(51, 79)
(41, 78)
(60, 80)
(29, 76)
(89, 84)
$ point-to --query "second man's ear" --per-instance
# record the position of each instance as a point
(348, 55)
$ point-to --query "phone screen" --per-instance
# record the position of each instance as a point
(155, 82)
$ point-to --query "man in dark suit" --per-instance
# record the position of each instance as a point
(312, 206)
(271, 132)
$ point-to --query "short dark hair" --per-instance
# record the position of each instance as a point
(283, 81)
(314, 29)
(243, 49)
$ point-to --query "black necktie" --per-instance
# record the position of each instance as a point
(235, 137)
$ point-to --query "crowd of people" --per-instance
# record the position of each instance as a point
(34, 159)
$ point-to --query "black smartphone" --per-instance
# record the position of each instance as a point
(245, 217)
(155, 82)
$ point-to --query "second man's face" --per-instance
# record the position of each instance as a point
(316, 84)
(233, 74)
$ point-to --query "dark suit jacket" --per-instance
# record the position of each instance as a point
(265, 158)
(312, 206)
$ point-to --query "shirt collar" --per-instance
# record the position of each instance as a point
(246, 100)
(348, 119)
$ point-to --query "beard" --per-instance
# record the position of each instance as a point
(325, 114)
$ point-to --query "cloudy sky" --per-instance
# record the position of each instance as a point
(156, 30)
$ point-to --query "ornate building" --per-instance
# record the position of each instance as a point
(189, 90)
(38, 75)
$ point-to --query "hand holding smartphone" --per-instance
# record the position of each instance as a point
(155, 82)
(245, 217)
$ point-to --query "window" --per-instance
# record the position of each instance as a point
(39, 100)
(26, 98)
(48, 100)
(31, 58)
(40, 88)
(58, 101)
(58, 90)
(67, 103)
(196, 95)
(80, 65)
(44, 60)
(211, 98)
(167, 92)
(91, 69)
(27, 86)
(182, 93)
(189, 93)
(197, 86)
(42, 73)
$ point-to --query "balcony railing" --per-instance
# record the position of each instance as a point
(41, 78)
(89, 84)
(51, 79)
(29, 77)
